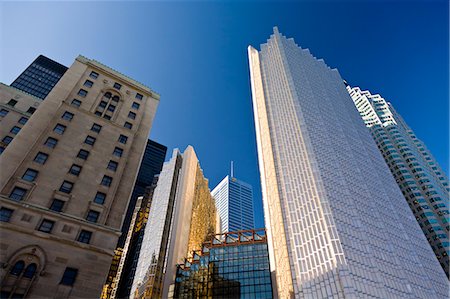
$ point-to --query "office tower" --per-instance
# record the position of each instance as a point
(420, 178)
(66, 180)
(234, 203)
(337, 223)
(181, 216)
(40, 77)
(151, 165)
(229, 265)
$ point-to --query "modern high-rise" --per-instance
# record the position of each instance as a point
(234, 203)
(66, 180)
(40, 77)
(419, 176)
(182, 214)
(337, 224)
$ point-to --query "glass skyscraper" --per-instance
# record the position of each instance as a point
(337, 224)
(40, 77)
(421, 179)
(234, 203)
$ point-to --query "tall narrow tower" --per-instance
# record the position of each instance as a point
(338, 225)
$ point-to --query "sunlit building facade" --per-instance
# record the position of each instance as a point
(337, 224)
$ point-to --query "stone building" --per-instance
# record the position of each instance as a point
(66, 179)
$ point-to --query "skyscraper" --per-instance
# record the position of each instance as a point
(337, 223)
(40, 77)
(421, 179)
(181, 216)
(234, 203)
(66, 180)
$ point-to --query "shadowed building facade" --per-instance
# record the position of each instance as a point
(337, 224)
(66, 180)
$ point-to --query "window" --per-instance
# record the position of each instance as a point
(93, 75)
(15, 130)
(59, 129)
(69, 276)
(89, 140)
(75, 169)
(108, 95)
(17, 194)
(3, 112)
(135, 105)
(100, 198)
(108, 117)
(123, 139)
(57, 205)
(88, 83)
(131, 115)
(85, 236)
(128, 125)
(92, 216)
(41, 158)
(82, 93)
(102, 104)
(139, 96)
(66, 187)
(2, 149)
(112, 165)
(23, 120)
(82, 154)
(18, 268)
(46, 226)
(111, 108)
(30, 175)
(98, 113)
(67, 116)
(118, 152)
(96, 128)
(115, 98)
(30, 270)
(51, 142)
(12, 103)
(7, 139)
(5, 214)
(31, 110)
(117, 86)
(106, 181)
(76, 103)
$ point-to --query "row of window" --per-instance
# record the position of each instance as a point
(68, 277)
(13, 103)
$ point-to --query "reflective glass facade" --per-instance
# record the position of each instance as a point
(233, 265)
(40, 77)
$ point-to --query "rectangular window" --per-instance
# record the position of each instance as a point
(100, 198)
(76, 103)
(3, 112)
(18, 194)
(85, 236)
(128, 125)
(88, 83)
(82, 154)
(41, 158)
(118, 152)
(131, 115)
(12, 103)
(98, 113)
(106, 181)
(30, 175)
(139, 96)
(93, 75)
(92, 216)
(5, 214)
(96, 128)
(135, 105)
(7, 139)
(117, 86)
(123, 139)
(89, 140)
(112, 165)
(75, 169)
(23, 120)
(31, 110)
(59, 129)
(102, 104)
(51, 142)
(66, 187)
(57, 205)
(108, 117)
(111, 108)
(69, 276)
(15, 130)
(46, 226)
(67, 116)
(82, 93)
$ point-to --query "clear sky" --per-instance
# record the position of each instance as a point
(195, 55)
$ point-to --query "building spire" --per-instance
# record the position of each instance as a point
(232, 175)
(275, 30)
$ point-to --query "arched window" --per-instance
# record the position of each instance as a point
(108, 95)
(108, 105)
(18, 267)
(30, 270)
(115, 98)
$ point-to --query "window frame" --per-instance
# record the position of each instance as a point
(16, 188)
(122, 139)
(57, 129)
(58, 207)
(69, 280)
(114, 167)
(94, 75)
(5, 217)
(84, 236)
(81, 154)
(90, 140)
(64, 189)
(21, 120)
(99, 195)
(67, 116)
(106, 181)
(47, 230)
(76, 103)
(76, 173)
(95, 126)
(30, 177)
(49, 144)
(82, 92)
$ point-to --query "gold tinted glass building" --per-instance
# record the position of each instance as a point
(66, 179)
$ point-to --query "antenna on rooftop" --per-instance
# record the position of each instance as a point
(232, 169)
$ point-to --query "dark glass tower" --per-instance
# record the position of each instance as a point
(40, 77)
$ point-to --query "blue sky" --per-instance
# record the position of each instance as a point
(194, 55)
